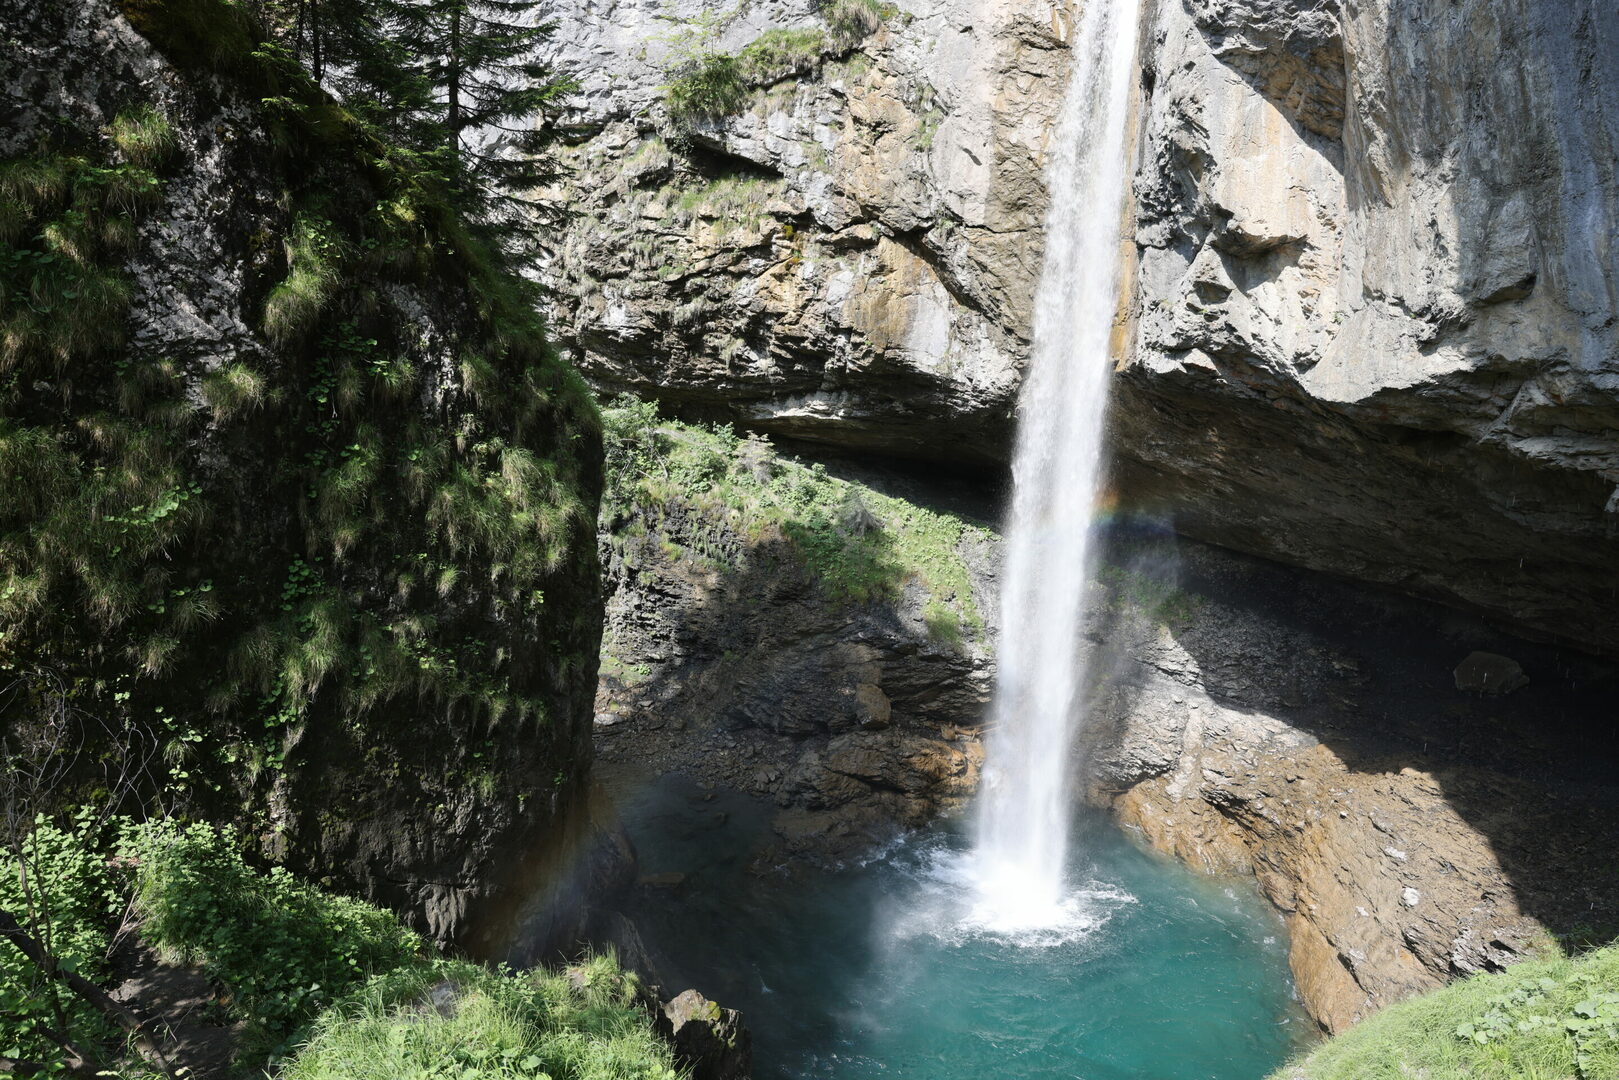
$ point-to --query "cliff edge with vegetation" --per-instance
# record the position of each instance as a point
(300, 519)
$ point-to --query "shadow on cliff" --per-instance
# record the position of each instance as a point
(1370, 674)
(728, 662)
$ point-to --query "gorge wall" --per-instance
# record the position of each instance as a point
(1371, 324)
(299, 523)
(1369, 331)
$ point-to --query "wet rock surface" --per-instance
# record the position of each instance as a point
(1313, 733)
(1247, 718)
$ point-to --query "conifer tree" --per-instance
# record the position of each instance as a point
(488, 91)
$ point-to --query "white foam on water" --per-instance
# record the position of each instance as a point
(949, 904)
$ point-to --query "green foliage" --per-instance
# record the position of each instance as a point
(1544, 1020)
(282, 948)
(732, 202)
(54, 880)
(294, 306)
(849, 21)
(779, 53)
(707, 83)
(707, 88)
(457, 1021)
(284, 951)
(1147, 595)
(145, 537)
(863, 546)
(144, 138)
(67, 221)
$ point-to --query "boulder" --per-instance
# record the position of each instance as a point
(708, 1040)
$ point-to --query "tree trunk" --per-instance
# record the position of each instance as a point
(452, 87)
(85, 990)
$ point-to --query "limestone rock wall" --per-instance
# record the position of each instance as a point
(850, 258)
(1375, 308)
(1373, 311)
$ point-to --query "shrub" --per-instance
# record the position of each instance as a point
(282, 948)
(710, 86)
(62, 892)
(455, 1019)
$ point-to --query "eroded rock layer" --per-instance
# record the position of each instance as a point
(1371, 328)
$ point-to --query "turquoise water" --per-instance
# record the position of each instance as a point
(867, 971)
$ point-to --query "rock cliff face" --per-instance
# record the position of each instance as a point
(736, 651)
(1420, 795)
(298, 504)
(849, 259)
(1363, 756)
(1376, 305)
(1370, 329)
(1372, 319)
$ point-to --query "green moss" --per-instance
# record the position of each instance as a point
(1150, 596)
(67, 221)
(1548, 1020)
(863, 546)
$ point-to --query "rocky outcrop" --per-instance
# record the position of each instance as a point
(1412, 824)
(295, 491)
(1376, 304)
(1372, 314)
(709, 1041)
(733, 654)
(850, 258)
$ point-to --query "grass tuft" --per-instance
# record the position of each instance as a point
(294, 306)
(455, 1018)
(144, 138)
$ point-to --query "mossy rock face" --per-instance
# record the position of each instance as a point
(298, 492)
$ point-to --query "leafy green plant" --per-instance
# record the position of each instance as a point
(457, 1021)
(54, 879)
(283, 949)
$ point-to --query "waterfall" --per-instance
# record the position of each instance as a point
(1020, 860)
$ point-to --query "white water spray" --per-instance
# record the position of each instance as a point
(1019, 864)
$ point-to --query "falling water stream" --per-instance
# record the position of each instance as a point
(1020, 859)
(990, 950)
